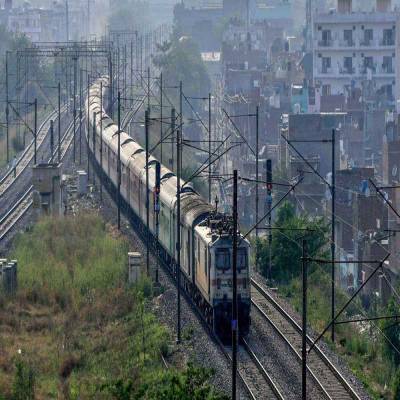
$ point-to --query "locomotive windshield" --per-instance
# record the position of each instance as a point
(242, 259)
(223, 259)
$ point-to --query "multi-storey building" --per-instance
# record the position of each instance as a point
(355, 49)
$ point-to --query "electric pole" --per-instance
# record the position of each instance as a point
(119, 161)
(59, 121)
(7, 112)
(35, 130)
(209, 148)
(178, 227)
(147, 123)
(234, 286)
(333, 248)
(304, 326)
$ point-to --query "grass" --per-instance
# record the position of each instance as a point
(74, 322)
(76, 330)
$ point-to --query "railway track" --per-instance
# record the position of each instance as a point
(257, 378)
(27, 156)
(324, 374)
(25, 202)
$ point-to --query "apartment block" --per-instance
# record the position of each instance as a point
(355, 49)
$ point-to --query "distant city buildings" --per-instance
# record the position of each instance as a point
(46, 24)
(355, 49)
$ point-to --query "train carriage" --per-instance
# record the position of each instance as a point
(206, 237)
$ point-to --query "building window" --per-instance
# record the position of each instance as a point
(368, 63)
(388, 37)
(326, 64)
(326, 38)
(348, 65)
(368, 37)
(348, 37)
(387, 65)
(326, 90)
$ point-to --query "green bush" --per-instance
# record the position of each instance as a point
(24, 382)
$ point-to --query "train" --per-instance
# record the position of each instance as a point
(206, 234)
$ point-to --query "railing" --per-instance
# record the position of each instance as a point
(347, 71)
(325, 43)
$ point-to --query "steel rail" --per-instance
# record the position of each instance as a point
(317, 350)
(25, 158)
(24, 203)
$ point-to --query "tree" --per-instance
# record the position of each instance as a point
(286, 243)
(180, 60)
(128, 14)
(391, 328)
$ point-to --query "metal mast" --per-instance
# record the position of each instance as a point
(308, 25)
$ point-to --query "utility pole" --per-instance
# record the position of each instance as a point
(180, 111)
(88, 125)
(147, 122)
(111, 88)
(157, 211)
(119, 161)
(94, 144)
(35, 130)
(74, 111)
(234, 286)
(161, 118)
(101, 141)
(80, 136)
(148, 88)
(131, 74)
(7, 112)
(178, 227)
(80, 113)
(333, 248)
(67, 19)
(209, 148)
(304, 326)
(171, 160)
(257, 178)
(118, 67)
(51, 140)
(88, 19)
(59, 121)
(269, 205)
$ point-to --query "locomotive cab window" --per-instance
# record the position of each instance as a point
(242, 260)
(222, 259)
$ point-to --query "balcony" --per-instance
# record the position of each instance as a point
(347, 71)
(325, 43)
(386, 42)
(347, 43)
